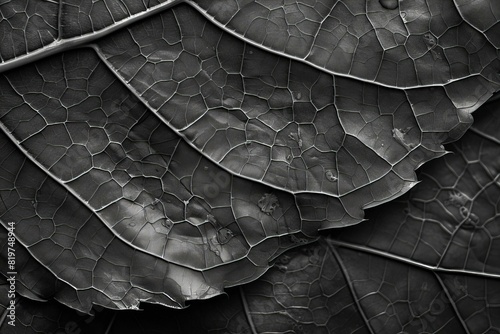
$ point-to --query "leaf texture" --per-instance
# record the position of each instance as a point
(31, 30)
(112, 188)
(182, 149)
(283, 123)
(349, 282)
(414, 43)
(449, 222)
(318, 288)
(482, 15)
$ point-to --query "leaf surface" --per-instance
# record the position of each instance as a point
(348, 282)
(32, 30)
(172, 153)
(450, 221)
(112, 188)
(278, 121)
(401, 44)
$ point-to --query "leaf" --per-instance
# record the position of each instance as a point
(419, 266)
(450, 221)
(448, 224)
(112, 189)
(483, 16)
(33, 30)
(170, 159)
(282, 124)
(309, 292)
(411, 44)
(226, 315)
(349, 282)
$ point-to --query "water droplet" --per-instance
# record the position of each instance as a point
(131, 224)
(430, 40)
(268, 203)
(224, 235)
(437, 307)
(281, 267)
(217, 252)
(205, 168)
(284, 259)
(389, 4)
(298, 96)
(471, 219)
(401, 137)
(250, 52)
(314, 259)
(331, 175)
(457, 199)
(164, 226)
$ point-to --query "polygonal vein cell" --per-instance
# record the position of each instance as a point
(278, 121)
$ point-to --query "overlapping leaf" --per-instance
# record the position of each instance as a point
(278, 121)
(107, 188)
(350, 283)
(316, 289)
(402, 44)
(396, 43)
(185, 159)
(450, 222)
